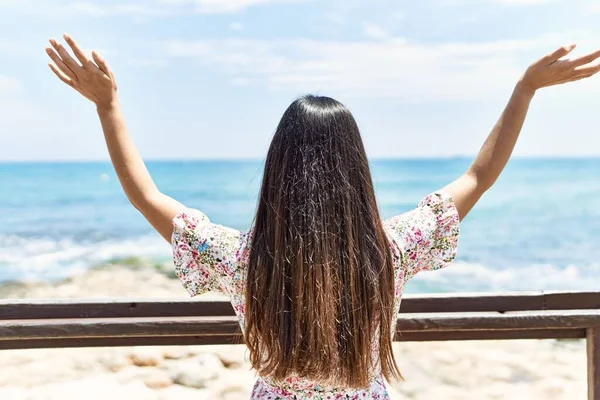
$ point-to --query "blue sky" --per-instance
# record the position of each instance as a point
(211, 78)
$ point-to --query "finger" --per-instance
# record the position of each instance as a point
(578, 78)
(60, 64)
(558, 53)
(585, 69)
(60, 74)
(101, 63)
(588, 58)
(66, 57)
(104, 67)
(79, 53)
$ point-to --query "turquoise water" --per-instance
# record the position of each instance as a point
(538, 228)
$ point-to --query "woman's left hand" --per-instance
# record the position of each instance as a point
(553, 69)
(92, 78)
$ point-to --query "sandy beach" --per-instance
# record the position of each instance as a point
(535, 369)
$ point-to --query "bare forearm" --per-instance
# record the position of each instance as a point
(499, 145)
(494, 154)
(129, 166)
(137, 183)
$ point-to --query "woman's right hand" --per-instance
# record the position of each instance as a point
(92, 78)
(553, 70)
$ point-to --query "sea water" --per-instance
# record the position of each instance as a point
(537, 229)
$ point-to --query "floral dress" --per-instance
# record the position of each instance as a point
(210, 257)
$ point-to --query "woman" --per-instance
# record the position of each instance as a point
(317, 281)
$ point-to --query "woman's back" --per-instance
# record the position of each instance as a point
(210, 257)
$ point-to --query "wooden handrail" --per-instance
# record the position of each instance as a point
(134, 322)
(22, 329)
(472, 302)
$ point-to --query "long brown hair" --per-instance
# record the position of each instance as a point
(320, 286)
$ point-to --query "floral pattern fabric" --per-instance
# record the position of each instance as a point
(211, 257)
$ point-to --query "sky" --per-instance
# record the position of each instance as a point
(211, 78)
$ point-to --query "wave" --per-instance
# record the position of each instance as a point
(29, 259)
(470, 277)
(26, 259)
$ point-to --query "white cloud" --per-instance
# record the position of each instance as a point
(388, 68)
(10, 46)
(56, 9)
(591, 8)
(221, 6)
(150, 8)
(149, 62)
(9, 85)
(523, 2)
(374, 31)
(226, 6)
(236, 26)
(240, 81)
(505, 2)
(92, 9)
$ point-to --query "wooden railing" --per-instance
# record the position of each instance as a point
(74, 323)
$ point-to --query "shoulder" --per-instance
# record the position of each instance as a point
(426, 236)
(434, 212)
(194, 228)
(206, 255)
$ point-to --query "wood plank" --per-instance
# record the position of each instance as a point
(571, 300)
(500, 302)
(117, 327)
(552, 319)
(119, 342)
(469, 302)
(46, 309)
(472, 302)
(593, 363)
(490, 335)
(237, 339)
(228, 326)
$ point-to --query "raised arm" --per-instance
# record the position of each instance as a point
(495, 152)
(94, 80)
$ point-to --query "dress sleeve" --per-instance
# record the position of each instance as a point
(204, 254)
(428, 235)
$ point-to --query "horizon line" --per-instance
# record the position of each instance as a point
(262, 159)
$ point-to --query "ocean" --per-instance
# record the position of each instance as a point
(537, 229)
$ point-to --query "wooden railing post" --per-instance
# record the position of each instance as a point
(593, 363)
